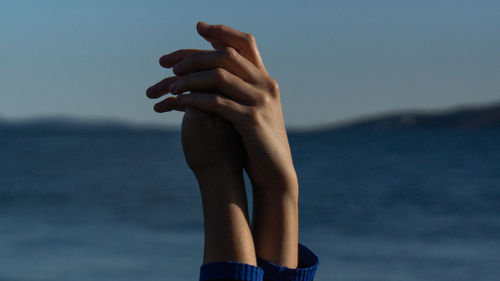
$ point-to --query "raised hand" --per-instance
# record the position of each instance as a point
(246, 95)
(238, 88)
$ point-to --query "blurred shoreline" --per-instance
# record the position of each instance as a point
(463, 117)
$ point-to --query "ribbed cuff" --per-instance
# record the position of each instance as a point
(306, 268)
(230, 270)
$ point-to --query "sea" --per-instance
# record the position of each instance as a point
(406, 205)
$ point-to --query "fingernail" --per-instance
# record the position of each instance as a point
(156, 108)
(200, 25)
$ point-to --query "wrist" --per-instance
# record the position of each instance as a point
(218, 174)
(221, 184)
(283, 186)
(275, 225)
(276, 199)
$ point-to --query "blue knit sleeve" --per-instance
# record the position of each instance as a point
(307, 265)
(230, 270)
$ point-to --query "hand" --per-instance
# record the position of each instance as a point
(242, 92)
(211, 145)
(245, 95)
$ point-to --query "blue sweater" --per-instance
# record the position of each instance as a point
(235, 271)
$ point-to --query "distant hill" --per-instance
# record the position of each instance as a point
(459, 118)
(65, 125)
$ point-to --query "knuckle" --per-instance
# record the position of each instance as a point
(219, 101)
(249, 38)
(219, 28)
(252, 115)
(273, 86)
(222, 27)
(231, 53)
(262, 98)
(220, 75)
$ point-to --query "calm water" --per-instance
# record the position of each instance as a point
(421, 205)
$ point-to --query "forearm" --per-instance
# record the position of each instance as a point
(275, 224)
(227, 231)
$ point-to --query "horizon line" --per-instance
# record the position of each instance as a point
(64, 117)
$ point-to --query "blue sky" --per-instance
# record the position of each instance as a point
(334, 60)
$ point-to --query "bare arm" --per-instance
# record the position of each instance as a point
(227, 231)
(275, 227)
(243, 93)
(214, 153)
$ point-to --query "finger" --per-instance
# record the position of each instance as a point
(227, 58)
(168, 104)
(217, 45)
(216, 103)
(161, 88)
(244, 43)
(171, 59)
(217, 79)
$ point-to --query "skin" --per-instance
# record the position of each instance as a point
(232, 82)
(213, 151)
